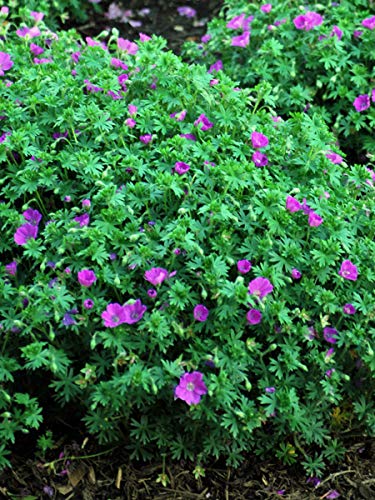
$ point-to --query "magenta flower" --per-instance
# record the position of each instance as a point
(179, 115)
(5, 62)
(348, 271)
(330, 334)
(88, 304)
(127, 46)
(254, 316)
(259, 140)
(190, 388)
(270, 390)
(37, 16)
(200, 312)
(266, 8)
(181, 168)
(144, 38)
(206, 38)
(186, 11)
(28, 32)
(151, 292)
(373, 95)
(296, 274)
(260, 287)
(132, 109)
(133, 312)
(243, 266)
(259, 159)
(308, 21)
(334, 157)
(36, 49)
(240, 22)
(24, 233)
(336, 32)
(86, 277)
(292, 204)
(217, 66)
(369, 22)
(117, 63)
(114, 315)
(11, 268)
(32, 216)
(145, 138)
(332, 493)
(86, 203)
(241, 40)
(362, 102)
(83, 220)
(189, 137)
(349, 309)
(314, 219)
(206, 124)
(42, 60)
(156, 275)
(129, 122)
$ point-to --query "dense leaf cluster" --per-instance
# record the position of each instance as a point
(273, 387)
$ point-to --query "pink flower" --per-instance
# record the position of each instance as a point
(127, 46)
(314, 219)
(145, 138)
(296, 274)
(86, 203)
(144, 38)
(117, 63)
(373, 95)
(191, 388)
(206, 124)
(181, 168)
(243, 266)
(254, 316)
(349, 309)
(369, 22)
(200, 312)
(83, 220)
(37, 16)
(308, 21)
(130, 122)
(35, 49)
(179, 115)
(206, 38)
(240, 22)
(266, 8)
(241, 40)
(259, 159)
(334, 157)
(362, 102)
(186, 11)
(156, 275)
(292, 204)
(259, 140)
(11, 268)
(114, 315)
(28, 32)
(24, 233)
(86, 277)
(260, 287)
(330, 335)
(132, 109)
(336, 32)
(5, 62)
(217, 66)
(42, 60)
(348, 270)
(133, 312)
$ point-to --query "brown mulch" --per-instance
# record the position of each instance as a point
(85, 473)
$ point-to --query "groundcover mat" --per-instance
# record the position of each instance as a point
(133, 198)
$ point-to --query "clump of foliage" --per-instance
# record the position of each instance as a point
(187, 270)
(314, 58)
(57, 11)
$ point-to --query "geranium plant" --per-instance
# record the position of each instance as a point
(184, 271)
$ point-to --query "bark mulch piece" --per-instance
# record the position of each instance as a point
(79, 474)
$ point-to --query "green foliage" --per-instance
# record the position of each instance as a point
(65, 141)
(310, 71)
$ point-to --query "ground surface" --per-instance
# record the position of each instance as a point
(111, 475)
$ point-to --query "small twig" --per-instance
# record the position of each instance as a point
(332, 476)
